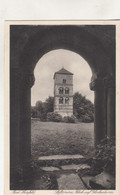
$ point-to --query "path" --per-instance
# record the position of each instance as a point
(66, 168)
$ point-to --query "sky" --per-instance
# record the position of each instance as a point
(52, 62)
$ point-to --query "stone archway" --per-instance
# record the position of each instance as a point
(33, 43)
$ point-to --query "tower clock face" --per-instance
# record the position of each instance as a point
(63, 92)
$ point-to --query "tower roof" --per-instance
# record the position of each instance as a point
(63, 71)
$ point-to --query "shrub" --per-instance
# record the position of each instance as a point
(54, 116)
(104, 158)
(70, 119)
(86, 118)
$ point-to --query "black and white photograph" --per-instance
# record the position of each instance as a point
(62, 96)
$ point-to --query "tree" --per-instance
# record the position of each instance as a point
(49, 103)
(83, 109)
(39, 106)
(33, 112)
(42, 108)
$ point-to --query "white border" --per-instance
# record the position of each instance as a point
(47, 10)
(117, 23)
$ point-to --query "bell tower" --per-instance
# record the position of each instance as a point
(63, 92)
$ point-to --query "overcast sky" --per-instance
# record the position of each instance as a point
(53, 61)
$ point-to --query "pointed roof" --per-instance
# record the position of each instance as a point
(63, 71)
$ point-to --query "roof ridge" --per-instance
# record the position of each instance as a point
(62, 71)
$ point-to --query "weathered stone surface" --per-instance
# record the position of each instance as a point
(70, 182)
(86, 180)
(49, 168)
(45, 182)
(60, 160)
(75, 167)
(63, 84)
(103, 181)
(60, 157)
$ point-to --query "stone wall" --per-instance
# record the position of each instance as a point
(65, 109)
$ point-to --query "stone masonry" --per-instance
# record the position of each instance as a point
(63, 92)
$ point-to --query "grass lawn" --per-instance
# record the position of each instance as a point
(50, 138)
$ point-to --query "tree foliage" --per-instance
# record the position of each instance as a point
(49, 104)
(70, 119)
(54, 116)
(41, 109)
(83, 109)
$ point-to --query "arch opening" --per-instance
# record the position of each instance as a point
(53, 61)
(43, 90)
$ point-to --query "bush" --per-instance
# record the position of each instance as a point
(54, 116)
(70, 119)
(86, 118)
(104, 158)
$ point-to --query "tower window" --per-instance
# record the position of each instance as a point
(60, 100)
(66, 90)
(67, 100)
(60, 90)
(64, 80)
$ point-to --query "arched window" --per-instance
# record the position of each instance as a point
(66, 90)
(66, 100)
(61, 100)
(60, 90)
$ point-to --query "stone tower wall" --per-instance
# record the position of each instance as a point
(65, 109)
